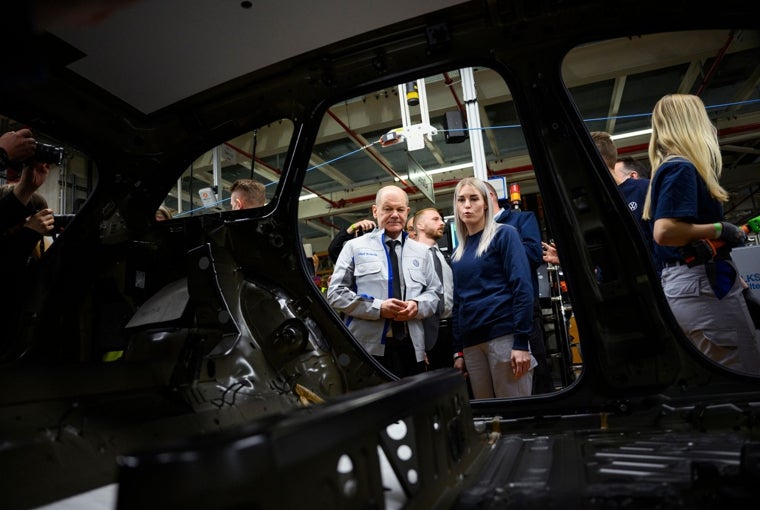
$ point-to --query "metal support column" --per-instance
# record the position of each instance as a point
(480, 169)
(216, 158)
(179, 195)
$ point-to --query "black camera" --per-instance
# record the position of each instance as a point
(61, 221)
(44, 153)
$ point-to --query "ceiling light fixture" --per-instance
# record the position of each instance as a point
(450, 168)
(632, 134)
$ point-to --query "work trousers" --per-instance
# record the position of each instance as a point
(489, 367)
(721, 329)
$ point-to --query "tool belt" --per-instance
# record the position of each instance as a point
(702, 252)
(721, 276)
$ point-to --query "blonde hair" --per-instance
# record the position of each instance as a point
(681, 127)
(490, 225)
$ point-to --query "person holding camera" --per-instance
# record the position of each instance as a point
(19, 237)
(19, 146)
(20, 240)
(25, 220)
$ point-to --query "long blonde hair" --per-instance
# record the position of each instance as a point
(490, 225)
(681, 127)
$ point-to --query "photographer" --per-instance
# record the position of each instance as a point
(24, 225)
(19, 240)
(19, 146)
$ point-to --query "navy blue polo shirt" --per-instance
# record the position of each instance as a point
(679, 192)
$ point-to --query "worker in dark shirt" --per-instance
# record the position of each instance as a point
(353, 230)
(15, 147)
(530, 235)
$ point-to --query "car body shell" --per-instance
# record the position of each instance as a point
(224, 379)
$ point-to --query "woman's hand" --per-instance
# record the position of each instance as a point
(459, 365)
(520, 363)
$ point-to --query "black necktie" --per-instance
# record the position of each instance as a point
(396, 326)
(439, 272)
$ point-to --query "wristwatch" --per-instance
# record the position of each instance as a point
(3, 159)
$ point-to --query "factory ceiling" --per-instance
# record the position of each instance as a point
(614, 83)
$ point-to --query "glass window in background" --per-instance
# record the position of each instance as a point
(255, 156)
